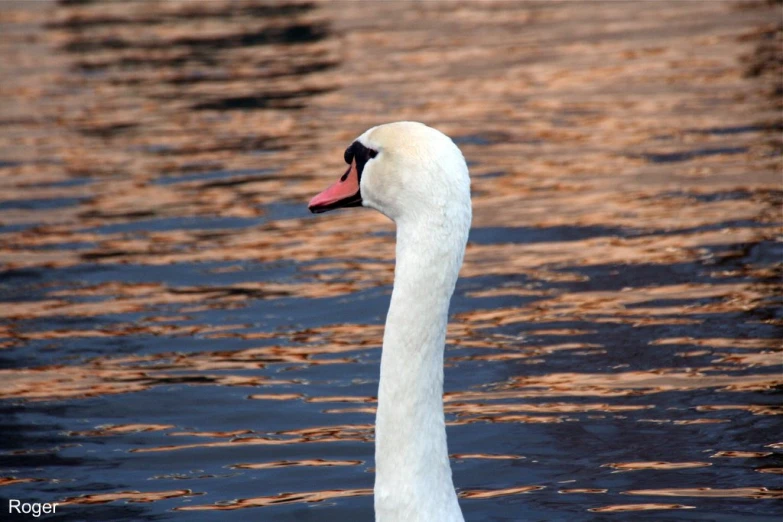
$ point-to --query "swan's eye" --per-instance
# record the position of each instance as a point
(359, 155)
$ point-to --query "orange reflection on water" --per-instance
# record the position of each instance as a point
(638, 382)
(297, 463)
(128, 298)
(485, 456)
(354, 432)
(210, 434)
(749, 360)
(118, 429)
(276, 396)
(757, 493)
(741, 454)
(341, 398)
(622, 508)
(635, 466)
(628, 307)
(717, 342)
(128, 496)
(494, 493)
(282, 498)
(482, 260)
(108, 376)
(10, 481)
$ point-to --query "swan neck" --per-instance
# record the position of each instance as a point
(413, 475)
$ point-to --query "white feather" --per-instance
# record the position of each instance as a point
(420, 180)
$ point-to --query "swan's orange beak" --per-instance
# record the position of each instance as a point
(344, 193)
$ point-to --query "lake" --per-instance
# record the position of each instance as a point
(181, 340)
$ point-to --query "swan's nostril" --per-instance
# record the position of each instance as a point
(345, 176)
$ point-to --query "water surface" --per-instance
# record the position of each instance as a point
(181, 340)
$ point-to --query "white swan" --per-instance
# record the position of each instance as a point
(416, 176)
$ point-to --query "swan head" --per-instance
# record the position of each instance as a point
(405, 170)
